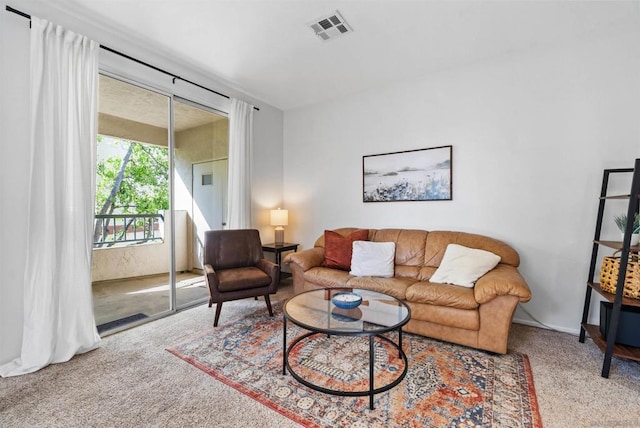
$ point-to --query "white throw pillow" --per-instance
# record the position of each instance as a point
(463, 266)
(373, 258)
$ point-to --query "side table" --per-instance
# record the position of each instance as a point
(278, 249)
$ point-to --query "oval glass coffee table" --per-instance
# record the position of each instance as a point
(377, 314)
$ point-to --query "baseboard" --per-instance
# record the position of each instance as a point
(574, 332)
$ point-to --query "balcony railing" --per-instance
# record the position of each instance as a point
(112, 229)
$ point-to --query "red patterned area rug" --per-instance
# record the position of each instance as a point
(445, 385)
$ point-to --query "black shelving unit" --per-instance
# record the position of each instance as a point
(608, 346)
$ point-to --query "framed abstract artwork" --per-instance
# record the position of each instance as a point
(412, 175)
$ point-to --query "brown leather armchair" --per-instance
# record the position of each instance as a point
(235, 268)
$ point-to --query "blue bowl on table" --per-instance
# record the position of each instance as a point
(346, 300)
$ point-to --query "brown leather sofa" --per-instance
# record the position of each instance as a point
(479, 317)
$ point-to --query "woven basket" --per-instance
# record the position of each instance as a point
(609, 276)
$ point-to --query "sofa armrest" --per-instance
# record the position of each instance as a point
(306, 259)
(504, 280)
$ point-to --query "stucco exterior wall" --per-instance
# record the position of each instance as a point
(143, 259)
(203, 143)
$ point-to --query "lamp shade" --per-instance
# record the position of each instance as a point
(279, 217)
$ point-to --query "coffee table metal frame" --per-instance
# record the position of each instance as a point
(372, 334)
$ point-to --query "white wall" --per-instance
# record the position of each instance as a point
(14, 108)
(531, 134)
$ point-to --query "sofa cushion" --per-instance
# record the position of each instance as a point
(401, 271)
(442, 294)
(373, 258)
(468, 319)
(437, 242)
(410, 244)
(395, 287)
(242, 279)
(327, 277)
(425, 273)
(463, 266)
(338, 248)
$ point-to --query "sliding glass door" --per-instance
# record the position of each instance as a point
(200, 177)
(160, 185)
(132, 239)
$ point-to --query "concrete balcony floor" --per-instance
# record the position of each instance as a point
(149, 295)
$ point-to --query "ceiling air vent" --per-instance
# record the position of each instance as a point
(330, 26)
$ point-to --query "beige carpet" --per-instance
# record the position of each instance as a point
(131, 381)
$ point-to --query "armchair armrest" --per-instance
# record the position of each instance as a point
(270, 268)
(211, 277)
(306, 259)
(502, 281)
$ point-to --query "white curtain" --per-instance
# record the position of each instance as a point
(58, 309)
(240, 165)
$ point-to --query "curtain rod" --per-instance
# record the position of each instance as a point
(174, 76)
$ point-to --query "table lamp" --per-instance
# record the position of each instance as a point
(279, 218)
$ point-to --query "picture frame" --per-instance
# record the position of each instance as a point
(411, 175)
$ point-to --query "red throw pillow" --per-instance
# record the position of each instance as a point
(338, 248)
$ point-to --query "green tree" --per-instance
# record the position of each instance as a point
(136, 183)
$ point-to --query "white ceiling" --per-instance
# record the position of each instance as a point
(265, 48)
